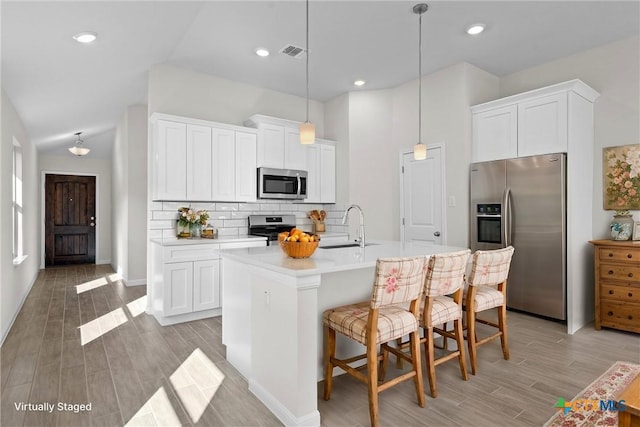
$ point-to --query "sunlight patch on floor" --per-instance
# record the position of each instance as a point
(87, 286)
(114, 277)
(138, 306)
(196, 381)
(100, 326)
(157, 411)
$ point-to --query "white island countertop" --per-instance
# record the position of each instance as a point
(331, 260)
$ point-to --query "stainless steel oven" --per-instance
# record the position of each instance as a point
(282, 184)
(488, 230)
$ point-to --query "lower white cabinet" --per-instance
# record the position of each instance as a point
(185, 279)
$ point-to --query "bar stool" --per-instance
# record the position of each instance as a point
(384, 318)
(488, 290)
(442, 303)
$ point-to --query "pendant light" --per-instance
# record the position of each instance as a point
(78, 149)
(307, 129)
(420, 150)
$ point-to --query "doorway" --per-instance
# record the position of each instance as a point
(70, 219)
(422, 215)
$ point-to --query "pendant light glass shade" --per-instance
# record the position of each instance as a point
(307, 129)
(78, 149)
(420, 150)
(307, 133)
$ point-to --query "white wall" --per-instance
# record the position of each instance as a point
(336, 126)
(186, 93)
(129, 184)
(71, 165)
(17, 280)
(612, 70)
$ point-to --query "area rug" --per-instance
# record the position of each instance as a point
(585, 408)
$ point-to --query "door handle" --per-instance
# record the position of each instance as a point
(93, 224)
(437, 234)
(506, 204)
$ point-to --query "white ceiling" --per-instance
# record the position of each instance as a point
(60, 87)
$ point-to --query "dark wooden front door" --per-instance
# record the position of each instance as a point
(70, 219)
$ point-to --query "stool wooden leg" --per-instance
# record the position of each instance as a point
(502, 322)
(416, 359)
(457, 324)
(372, 363)
(471, 339)
(431, 368)
(398, 359)
(329, 352)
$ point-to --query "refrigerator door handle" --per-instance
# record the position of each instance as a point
(506, 202)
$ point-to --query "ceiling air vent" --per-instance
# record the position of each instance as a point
(293, 51)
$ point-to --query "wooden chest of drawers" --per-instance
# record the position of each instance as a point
(617, 281)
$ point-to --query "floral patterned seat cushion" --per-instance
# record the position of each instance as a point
(394, 321)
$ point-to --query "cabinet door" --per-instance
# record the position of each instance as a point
(178, 288)
(206, 285)
(245, 167)
(198, 162)
(314, 174)
(327, 173)
(223, 184)
(495, 134)
(295, 154)
(271, 146)
(542, 125)
(170, 161)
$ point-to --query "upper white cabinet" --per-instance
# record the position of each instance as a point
(278, 143)
(198, 160)
(321, 180)
(542, 121)
(169, 159)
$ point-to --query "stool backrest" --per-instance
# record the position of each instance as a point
(445, 273)
(397, 280)
(490, 267)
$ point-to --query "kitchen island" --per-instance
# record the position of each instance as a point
(272, 316)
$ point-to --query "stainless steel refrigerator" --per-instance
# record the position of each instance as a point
(522, 202)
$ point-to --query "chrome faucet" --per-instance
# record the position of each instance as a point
(360, 239)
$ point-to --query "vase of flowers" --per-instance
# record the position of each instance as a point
(192, 220)
(622, 225)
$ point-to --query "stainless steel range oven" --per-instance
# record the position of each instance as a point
(270, 225)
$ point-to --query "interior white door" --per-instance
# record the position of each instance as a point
(421, 204)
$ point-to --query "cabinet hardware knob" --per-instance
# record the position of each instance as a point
(610, 271)
(630, 317)
(610, 313)
(610, 291)
(630, 274)
(630, 256)
(630, 294)
(610, 254)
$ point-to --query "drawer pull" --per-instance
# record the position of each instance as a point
(610, 254)
(630, 274)
(630, 317)
(630, 294)
(629, 255)
(610, 291)
(610, 271)
(610, 313)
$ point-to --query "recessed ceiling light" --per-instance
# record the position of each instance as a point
(262, 52)
(359, 82)
(475, 29)
(85, 37)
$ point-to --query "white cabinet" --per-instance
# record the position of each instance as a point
(278, 143)
(185, 279)
(197, 160)
(169, 160)
(321, 180)
(541, 121)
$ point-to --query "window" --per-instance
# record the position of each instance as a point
(18, 230)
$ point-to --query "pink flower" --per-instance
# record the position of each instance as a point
(632, 192)
(628, 184)
(392, 284)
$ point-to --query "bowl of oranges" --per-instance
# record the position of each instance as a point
(298, 244)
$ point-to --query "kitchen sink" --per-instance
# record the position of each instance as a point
(345, 245)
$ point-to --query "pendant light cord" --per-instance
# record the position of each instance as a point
(307, 72)
(420, 80)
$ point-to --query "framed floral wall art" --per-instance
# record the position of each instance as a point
(621, 166)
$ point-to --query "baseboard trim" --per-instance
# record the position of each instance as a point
(136, 282)
(103, 261)
(311, 419)
(22, 300)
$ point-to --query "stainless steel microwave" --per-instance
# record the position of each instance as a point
(282, 184)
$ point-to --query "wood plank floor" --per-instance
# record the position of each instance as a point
(83, 337)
